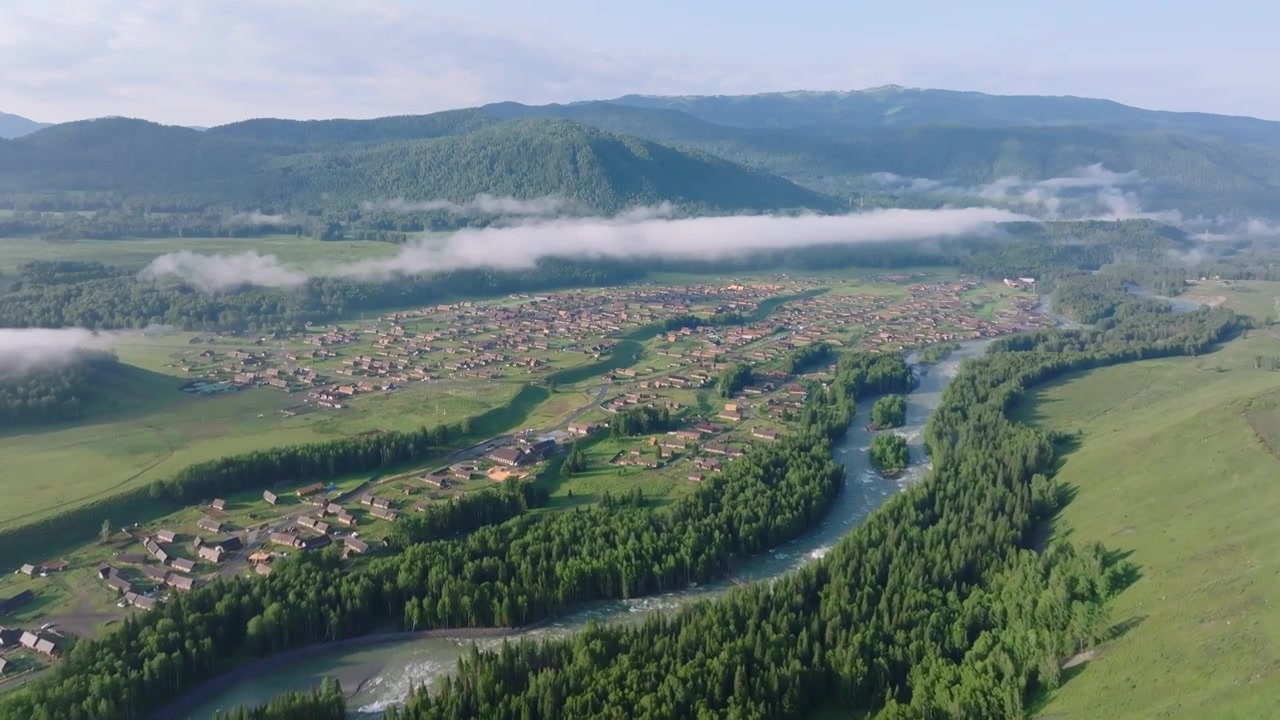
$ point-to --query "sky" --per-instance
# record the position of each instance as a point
(207, 62)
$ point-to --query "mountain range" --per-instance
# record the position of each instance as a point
(779, 151)
(12, 126)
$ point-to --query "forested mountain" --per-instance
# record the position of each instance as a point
(312, 133)
(1194, 175)
(539, 157)
(12, 126)
(892, 106)
(337, 165)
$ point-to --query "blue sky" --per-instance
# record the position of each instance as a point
(212, 61)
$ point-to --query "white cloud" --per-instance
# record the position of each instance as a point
(648, 233)
(637, 233)
(213, 273)
(482, 205)
(25, 348)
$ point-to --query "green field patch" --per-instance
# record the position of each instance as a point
(136, 253)
(1168, 474)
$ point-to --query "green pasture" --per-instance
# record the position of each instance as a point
(1171, 469)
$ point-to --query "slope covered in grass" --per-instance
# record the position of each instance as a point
(1169, 472)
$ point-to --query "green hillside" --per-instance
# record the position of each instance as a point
(1175, 471)
(532, 158)
(331, 165)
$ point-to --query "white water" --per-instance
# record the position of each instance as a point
(389, 672)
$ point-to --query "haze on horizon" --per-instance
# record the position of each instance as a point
(207, 63)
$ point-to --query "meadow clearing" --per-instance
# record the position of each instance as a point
(1170, 473)
(134, 253)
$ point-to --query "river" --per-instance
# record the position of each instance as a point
(383, 674)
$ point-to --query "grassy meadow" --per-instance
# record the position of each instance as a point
(135, 253)
(1171, 472)
(145, 429)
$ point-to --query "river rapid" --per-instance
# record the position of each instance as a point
(382, 675)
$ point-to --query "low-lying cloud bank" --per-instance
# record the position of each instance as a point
(212, 273)
(22, 349)
(1090, 193)
(700, 238)
(643, 232)
(483, 205)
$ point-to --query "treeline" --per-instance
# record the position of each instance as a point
(936, 353)
(642, 421)
(1048, 251)
(511, 573)
(734, 379)
(715, 319)
(936, 607)
(461, 515)
(86, 295)
(1090, 298)
(807, 357)
(311, 461)
(323, 703)
(35, 391)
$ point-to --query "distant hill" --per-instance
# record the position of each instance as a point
(1192, 174)
(896, 107)
(328, 166)
(12, 126)
(316, 133)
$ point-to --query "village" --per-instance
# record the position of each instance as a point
(671, 366)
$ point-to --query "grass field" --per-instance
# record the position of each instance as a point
(1257, 298)
(150, 430)
(1170, 473)
(297, 251)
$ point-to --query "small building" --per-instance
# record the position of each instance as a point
(384, 514)
(119, 584)
(346, 518)
(105, 571)
(270, 497)
(181, 582)
(510, 456)
(311, 489)
(315, 542)
(583, 429)
(29, 569)
(211, 553)
(764, 434)
(55, 565)
(139, 601)
(263, 569)
(219, 504)
(209, 524)
(166, 536)
(436, 479)
(284, 538)
(262, 556)
(155, 573)
(355, 545)
(183, 565)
